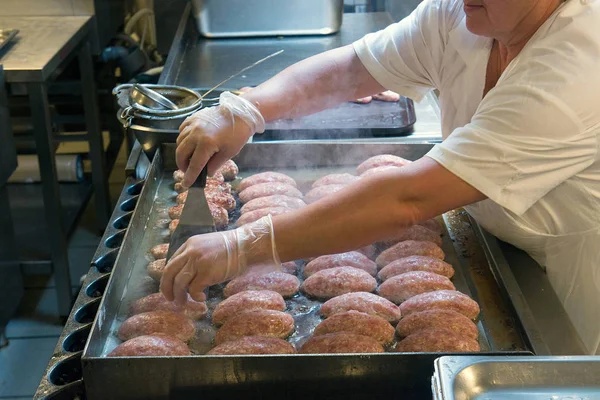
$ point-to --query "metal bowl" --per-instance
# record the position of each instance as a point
(152, 99)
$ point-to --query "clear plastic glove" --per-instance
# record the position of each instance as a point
(206, 260)
(216, 134)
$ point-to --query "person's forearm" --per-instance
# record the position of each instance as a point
(370, 210)
(312, 85)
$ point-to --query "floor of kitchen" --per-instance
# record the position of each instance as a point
(34, 330)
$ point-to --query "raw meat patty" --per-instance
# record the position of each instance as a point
(269, 323)
(359, 323)
(266, 177)
(160, 251)
(436, 319)
(349, 259)
(364, 302)
(272, 201)
(289, 267)
(178, 176)
(415, 232)
(285, 284)
(341, 342)
(157, 302)
(220, 199)
(436, 340)
(409, 248)
(263, 212)
(254, 345)
(247, 301)
(402, 287)
(151, 346)
(156, 269)
(380, 161)
(335, 179)
(378, 170)
(441, 299)
(416, 263)
(268, 189)
(211, 184)
(157, 322)
(229, 170)
(432, 225)
(320, 192)
(333, 282)
(370, 251)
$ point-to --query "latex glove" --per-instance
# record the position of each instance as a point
(388, 95)
(205, 260)
(216, 134)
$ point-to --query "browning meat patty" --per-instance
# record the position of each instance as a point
(437, 319)
(160, 251)
(359, 323)
(349, 259)
(157, 322)
(246, 301)
(437, 340)
(380, 161)
(259, 322)
(229, 170)
(333, 282)
(415, 232)
(254, 345)
(285, 284)
(341, 342)
(268, 189)
(441, 299)
(151, 346)
(156, 269)
(402, 287)
(416, 263)
(266, 177)
(157, 302)
(364, 302)
(336, 179)
(409, 248)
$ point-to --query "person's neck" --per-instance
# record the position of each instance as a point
(510, 45)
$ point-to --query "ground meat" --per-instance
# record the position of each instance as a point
(416, 232)
(285, 284)
(179, 188)
(217, 177)
(266, 177)
(432, 225)
(160, 251)
(378, 170)
(402, 287)
(337, 281)
(258, 214)
(341, 342)
(269, 323)
(364, 302)
(335, 179)
(435, 319)
(441, 299)
(254, 345)
(359, 323)
(175, 211)
(158, 322)
(289, 267)
(380, 161)
(229, 170)
(435, 341)
(156, 269)
(246, 301)
(151, 346)
(416, 263)
(157, 302)
(349, 259)
(409, 248)
(173, 225)
(268, 189)
(214, 184)
(218, 198)
(369, 251)
(320, 192)
(178, 175)
(272, 201)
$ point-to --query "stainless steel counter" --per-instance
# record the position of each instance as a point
(198, 62)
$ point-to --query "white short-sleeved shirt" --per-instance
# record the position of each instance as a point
(531, 145)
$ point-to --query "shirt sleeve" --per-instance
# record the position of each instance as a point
(406, 57)
(522, 142)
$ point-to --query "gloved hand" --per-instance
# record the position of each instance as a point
(205, 260)
(216, 134)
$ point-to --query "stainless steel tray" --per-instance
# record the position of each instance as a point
(293, 376)
(512, 378)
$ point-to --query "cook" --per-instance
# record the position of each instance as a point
(519, 89)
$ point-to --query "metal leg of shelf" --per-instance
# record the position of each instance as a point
(38, 98)
(92, 121)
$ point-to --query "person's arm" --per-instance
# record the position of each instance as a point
(314, 84)
(372, 209)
